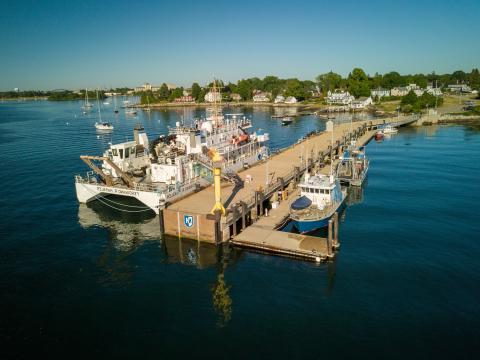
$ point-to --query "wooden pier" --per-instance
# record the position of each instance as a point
(245, 223)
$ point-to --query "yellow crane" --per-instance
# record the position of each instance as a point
(217, 160)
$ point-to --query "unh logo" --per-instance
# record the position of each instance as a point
(188, 220)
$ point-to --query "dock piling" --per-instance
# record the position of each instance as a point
(335, 235)
(329, 238)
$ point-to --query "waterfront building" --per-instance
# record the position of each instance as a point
(361, 103)
(339, 98)
(279, 99)
(185, 99)
(291, 100)
(213, 97)
(380, 92)
(235, 97)
(260, 96)
(147, 87)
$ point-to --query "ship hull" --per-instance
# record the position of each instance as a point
(307, 226)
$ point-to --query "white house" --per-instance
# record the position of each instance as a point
(361, 103)
(418, 92)
(379, 92)
(412, 87)
(399, 91)
(434, 91)
(339, 98)
(279, 99)
(235, 97)
(213, 97)
(459, 88)
(260, 96)
(291, 100)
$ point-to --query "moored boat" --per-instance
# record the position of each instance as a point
(173, 165)
(389, 129)
(105, 126)
(287, 121)
(321, 196)
(379, 135)
(353, 166)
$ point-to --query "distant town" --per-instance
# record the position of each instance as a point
(358, 91)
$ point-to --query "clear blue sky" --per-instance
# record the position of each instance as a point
(72, 44)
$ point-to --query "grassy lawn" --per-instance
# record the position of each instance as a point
(389, 106)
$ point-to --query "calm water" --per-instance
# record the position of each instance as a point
(88, 280)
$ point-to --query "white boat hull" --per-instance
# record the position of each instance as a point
(89, 192)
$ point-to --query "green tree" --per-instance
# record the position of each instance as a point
(329, 81)
(245, 89)
(176, 93)
(163, 93)
(358, 83)
(196, 89)
(294, 87)
(201, 95)
(474, 79)
(410, 99)
(392, 79)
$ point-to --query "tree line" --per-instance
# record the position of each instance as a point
(358, 83)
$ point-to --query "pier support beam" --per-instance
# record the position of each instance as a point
(244, 214)
(335, 234)
(161, 207)
(329, 238)
(235, 217)
(218, 231)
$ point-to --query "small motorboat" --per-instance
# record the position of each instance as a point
(115, 111)
(379, 135)
(106, 103)
(287, 121)
(389, 129)
(130, 111)
(104, 126)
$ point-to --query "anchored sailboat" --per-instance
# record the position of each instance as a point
(86, 104)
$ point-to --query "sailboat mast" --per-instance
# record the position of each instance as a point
(331, 154)
(98, 105)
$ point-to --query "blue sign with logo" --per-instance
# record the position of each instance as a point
(188, 220)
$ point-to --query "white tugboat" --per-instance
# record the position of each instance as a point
(172, 166)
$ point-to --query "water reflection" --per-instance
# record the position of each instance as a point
(355, 194)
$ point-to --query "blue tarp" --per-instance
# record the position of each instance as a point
(301, 203)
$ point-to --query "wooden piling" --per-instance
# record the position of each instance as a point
(335, 235)
(244, 214)
(329, 238)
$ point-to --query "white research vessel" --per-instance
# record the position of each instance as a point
(171, 166)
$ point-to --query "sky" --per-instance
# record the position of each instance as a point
(77, 44)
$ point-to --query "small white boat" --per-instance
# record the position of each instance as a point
(287, 120)
(130, 111)
(389, 129)
(106, 103)
(105, 126)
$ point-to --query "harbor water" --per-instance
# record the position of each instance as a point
(90, 280)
